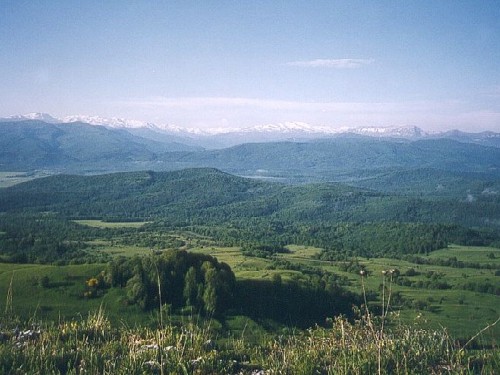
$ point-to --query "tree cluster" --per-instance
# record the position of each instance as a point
(176, 278)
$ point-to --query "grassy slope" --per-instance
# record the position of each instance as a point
(104, 224)
(463, 312)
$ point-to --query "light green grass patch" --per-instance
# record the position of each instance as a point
(298, 251)
(8, 179)
(234, 258)
(481, 255)
(63, 296)
(105, 224)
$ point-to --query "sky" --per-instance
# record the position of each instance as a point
(205, 64)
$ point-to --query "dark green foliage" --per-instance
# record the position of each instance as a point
(263, 251)
(450, 262)
(294, 303)
(179, 278)
(482, 287)
(345, 221)
(28, 145)
(42, 239)
(209, 287)
(376, 239)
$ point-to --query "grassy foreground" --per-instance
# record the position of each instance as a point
(93, 346)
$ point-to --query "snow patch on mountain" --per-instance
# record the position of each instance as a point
(290, 127)
(45, 117)
(275, 130)
(113, 122)
(401, 131)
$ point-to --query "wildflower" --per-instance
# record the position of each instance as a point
(196, 361)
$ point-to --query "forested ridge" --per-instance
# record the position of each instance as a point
(196, 196)
(341, 219)
(300, 251)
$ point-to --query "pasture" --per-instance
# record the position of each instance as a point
(56, 292)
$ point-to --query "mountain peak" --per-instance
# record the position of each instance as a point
(393, 131)
(113, 122)
(45, 117)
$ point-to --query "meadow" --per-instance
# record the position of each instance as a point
(93, 345)
(420, 330)
(13, 178)
(273, 283)
(56, 292)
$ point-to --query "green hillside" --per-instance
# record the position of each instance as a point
(28, 145)
(201, 244)
(233, 210)
(82, 148)
(327, 159)
(210, 196)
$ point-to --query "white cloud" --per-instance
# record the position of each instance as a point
(332, 63)
(196, 103)
(215, 102)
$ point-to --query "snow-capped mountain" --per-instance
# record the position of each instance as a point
(289, 127)
(394, 132)
(45, 117)
(285, 129)
(302, 128)
(121, 123)
(113, 122)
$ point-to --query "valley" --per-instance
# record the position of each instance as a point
(343, 233)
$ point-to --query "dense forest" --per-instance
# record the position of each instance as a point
(155, 247)
(198, 283)
(36, 217)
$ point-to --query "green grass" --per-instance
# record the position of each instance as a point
(481, 255)
(94, 345)
(62, 297)
(8, 179)
(106, 224)
(120, 250)
(462, 312)
(243, 266)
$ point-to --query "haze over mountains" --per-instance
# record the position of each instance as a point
(291, 152)
(229, 136)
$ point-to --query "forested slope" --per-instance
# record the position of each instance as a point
(236, 210)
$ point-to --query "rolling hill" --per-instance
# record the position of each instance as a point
(210, 197)
(32, 144)
(393, 165)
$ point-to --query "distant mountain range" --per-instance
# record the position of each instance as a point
(34, 145)
(292, 152)
(289, 131)
(286, 128)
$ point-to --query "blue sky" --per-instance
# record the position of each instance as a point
(432, 64)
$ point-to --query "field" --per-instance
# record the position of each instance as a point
(462, 312)
(13, 178)
(74, 332)
(106, 224)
